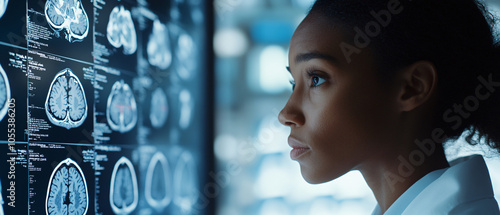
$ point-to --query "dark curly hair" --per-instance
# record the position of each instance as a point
(457, 36)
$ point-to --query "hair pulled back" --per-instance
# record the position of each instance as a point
(457, 36)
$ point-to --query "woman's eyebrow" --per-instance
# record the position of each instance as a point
(313, 55)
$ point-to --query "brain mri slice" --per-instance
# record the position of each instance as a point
(124, 192)
(4, 93)
(159, 108)
(187, 105)
(158, 187)
(67, 192)
(185, 52)
(3, 7)
(185, 175)
(121, 30)
(121, 108)
(66, 105)
(159, 52)
(68, 15)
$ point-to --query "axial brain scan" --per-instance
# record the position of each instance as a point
(185, 176)
(121, 30)
(67, 192)
(158, 187)
(66, 105)
(3, 7)
(4, 93)
(159, 53)
(124, 193)
(159, 108)
(68, 15)
(121, 108)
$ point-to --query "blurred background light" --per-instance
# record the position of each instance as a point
(230, 42)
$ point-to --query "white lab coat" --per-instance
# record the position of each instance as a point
(463, 188)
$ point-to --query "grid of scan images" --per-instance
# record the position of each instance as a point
(103, 107)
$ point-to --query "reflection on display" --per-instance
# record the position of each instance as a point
(69, 16)
(124, 192)
(4, 93)
(159, 53)
(185, 176)
(3, 8)
(121, 109)
(121, 30)
(159, 108)
(67, 192)
(158, 191)
(66, 105)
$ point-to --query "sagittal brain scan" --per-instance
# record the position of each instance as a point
(4, 93)
(121, 30)
(3, 7)
(67, 192)
(158, 191)
(159, 108)
(159, 53)
(68, 15)
(121, 109)
(66, 105)
(124, 192)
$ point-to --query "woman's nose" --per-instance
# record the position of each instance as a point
(291, 115)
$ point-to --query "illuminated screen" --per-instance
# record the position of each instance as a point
(104, 107)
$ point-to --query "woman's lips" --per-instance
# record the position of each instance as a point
(298, 149)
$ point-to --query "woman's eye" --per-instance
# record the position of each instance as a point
(316, 81)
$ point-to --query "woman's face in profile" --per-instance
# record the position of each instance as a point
(340, 115)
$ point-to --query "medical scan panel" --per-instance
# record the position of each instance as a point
(159, 108)
(66, 105)
(185, 175)
(3, 8)
(121, 109)
(124, 192)
(4, 93)
(158, 49)
(67, 192)
(68, 15)
(158, 189)
(121, 30)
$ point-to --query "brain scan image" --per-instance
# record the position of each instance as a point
(68, 16)
(66, 105)
(3, 8)
(121, 108)
(185, 175)
(124, 192)
(4, 93)
(186, 103)
(67, 192)
(185, 53)
(121, 30)
(158, 187)
(158, 48)
(159, 108)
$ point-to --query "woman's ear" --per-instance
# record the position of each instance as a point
(419, 82)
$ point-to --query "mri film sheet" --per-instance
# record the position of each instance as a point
(60, 99)
(14, 170)
(116, 107)
(116, 35)
(62, 179)
(13, 22)
(55, 24)
(117, 182)
(13, 87)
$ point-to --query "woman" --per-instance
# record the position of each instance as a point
(380, 85)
